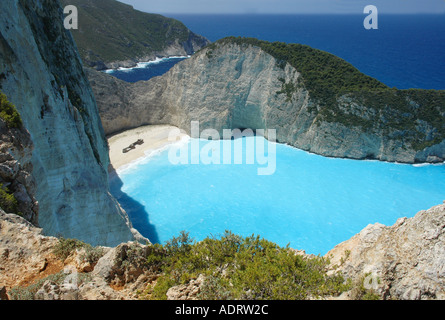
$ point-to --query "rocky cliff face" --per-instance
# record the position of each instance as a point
(16, 169)
(232, 86)
(41, 74)
(236, 90)
(404, 261)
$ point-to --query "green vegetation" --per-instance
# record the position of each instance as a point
(233, 267)
(418, 115)
(288, 89)
(8, 202)
(325, 75)
(9, 113)
(28, 293)
(120, 32)
(240, 268)
(360, 292)
(65, 247)
(344, 95)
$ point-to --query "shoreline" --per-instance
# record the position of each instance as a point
(155, 137)
(143, 64)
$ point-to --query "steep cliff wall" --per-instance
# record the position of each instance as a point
(240, 85)
(41, 74)
(237, 90)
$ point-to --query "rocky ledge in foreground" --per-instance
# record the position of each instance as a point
(404, 261)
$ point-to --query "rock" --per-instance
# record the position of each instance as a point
(52, 291)
(42, 75)
(24, 251)
(188, 291)
(3, 295)
(49, 291)
(98, 289)
(123, 264)
(405, 261)
(230, 86)
(16, 167)
(152, 35)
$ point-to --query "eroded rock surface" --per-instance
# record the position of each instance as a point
(404, 261)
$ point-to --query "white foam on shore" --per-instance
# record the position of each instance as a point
(429, 164)
(145, 64)
(151, 153)
(423, 164)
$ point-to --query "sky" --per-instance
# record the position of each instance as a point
(288, 6)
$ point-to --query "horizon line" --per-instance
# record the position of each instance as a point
(301, 13)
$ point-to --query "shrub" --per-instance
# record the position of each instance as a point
(360, 292)
(7, 201)
(28, 293)
(242, 268)
(65, 247)
(92, 254)
(9, 113)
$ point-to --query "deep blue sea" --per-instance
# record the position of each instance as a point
(406, 51)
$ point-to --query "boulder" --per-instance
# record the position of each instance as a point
(405, 261)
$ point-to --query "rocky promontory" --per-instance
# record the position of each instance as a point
(247, 83)
(112, 34)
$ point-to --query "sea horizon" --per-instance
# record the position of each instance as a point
(405, 52)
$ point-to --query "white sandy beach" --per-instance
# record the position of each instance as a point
(154, 136)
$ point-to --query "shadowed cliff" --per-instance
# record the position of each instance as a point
(41, 74)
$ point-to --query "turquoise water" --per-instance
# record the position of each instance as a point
(310, 202)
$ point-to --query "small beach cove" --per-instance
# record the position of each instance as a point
(311, 202)
(154, 138)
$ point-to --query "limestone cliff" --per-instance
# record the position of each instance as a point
(15, 170)
(404, 261)
(232, 84)
(41, 74)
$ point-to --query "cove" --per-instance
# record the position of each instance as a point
(146, 70)
(311, 202)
